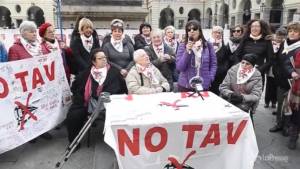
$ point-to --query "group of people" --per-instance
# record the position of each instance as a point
(156, 62)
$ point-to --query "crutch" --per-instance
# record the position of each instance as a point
(100, 108)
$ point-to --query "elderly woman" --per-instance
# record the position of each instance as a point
(195, 57)
(83, 44)
(143, 39)
(169, 38)
(223, 60)
(242, 85)
(144, 78)
(100, 77)
(27, 46)
(161, 56)
(119, 50)
(51, 44)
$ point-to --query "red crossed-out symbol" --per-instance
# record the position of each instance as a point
(176, 163)
(174, 104)
(25, 111)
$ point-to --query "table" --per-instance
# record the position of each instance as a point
(171, 130)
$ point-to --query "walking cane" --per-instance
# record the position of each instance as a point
(100, 108)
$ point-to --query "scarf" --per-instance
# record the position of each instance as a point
(197, 49)
(147, 39)
(243, 74)
(87, 42)
(217, 44)
(233, 46)
(159, 50)
(88, 85)
(148, 72)
(117, 44)
(171, 42)
(99, 75)
(255, 37)
(52, 46)
(287, 48)
(34, 49)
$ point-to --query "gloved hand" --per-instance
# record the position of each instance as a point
(236, 98)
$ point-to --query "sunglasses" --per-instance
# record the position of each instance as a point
(194, 29)
(117, 24)
(237, 31)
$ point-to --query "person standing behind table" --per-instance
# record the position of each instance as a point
(143, 39)
(145, 78)
(119, 50)
(236, 34)
(223, 59)
(98, 78)
(51, 44)
(83, 44)
(292, 55)
(242, 85)
(195, 57)
(254, 41)
(26, 47)
(3, 53)
(161, 56)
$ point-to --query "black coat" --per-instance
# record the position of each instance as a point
(262, 48)
(81, 57)
(139, 42)
(114, 84)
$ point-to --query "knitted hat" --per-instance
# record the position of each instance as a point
(251, 58)
(43, 28)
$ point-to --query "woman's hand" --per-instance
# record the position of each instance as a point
(189, 46)
(124, 72)
(295, 75)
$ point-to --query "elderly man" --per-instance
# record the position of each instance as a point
(27, 47)
(144, 78)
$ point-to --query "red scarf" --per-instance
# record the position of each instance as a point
(294, 95)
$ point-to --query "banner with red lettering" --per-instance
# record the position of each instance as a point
(171, 130)
(34, 94)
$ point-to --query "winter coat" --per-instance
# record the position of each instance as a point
(138, 83)
(121, 60)
(81, 57)
(18, 52)
(252, 89)
(166, 68)
(185, 64)
(139, 42)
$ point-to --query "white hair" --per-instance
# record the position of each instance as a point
(217, 29)
(27, 26)
(156, 32)
(138, 54)
(169, 27)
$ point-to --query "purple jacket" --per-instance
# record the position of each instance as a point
(185, 64)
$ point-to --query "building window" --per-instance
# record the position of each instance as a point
(180, 24)
(233, 4)
(257, 15)
(232, 23)
(291, 13)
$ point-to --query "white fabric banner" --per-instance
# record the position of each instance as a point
(171, 130)
(34, 94)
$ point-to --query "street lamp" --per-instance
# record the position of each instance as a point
(262, 7)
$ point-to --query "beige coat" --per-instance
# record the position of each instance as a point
(134, 82)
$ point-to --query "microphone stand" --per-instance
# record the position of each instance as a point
(196, 90)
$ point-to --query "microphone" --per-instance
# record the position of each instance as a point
(196, 83)
(191, 39)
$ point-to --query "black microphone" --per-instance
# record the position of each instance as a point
(191, 39)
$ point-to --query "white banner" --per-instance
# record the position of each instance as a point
(33, 95)
(170, 130)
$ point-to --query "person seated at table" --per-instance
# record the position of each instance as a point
(98, 78)
(242, 85)
(145, 78)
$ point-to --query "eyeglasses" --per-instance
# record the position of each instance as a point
(237, 31)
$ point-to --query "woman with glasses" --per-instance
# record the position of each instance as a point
(242, 85)
(99, 77)
(195, 57)
(254, 41)
(119, 50)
